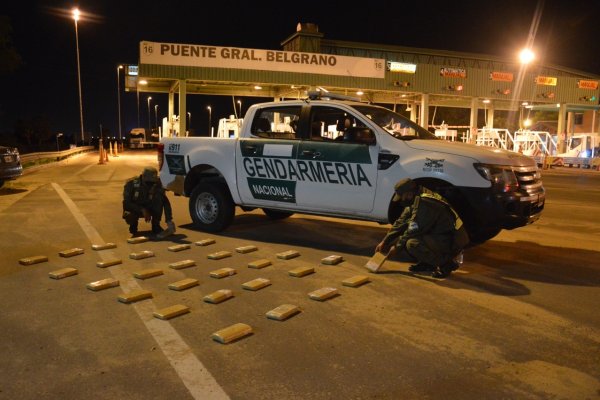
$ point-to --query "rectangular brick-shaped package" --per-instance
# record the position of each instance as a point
(148, 273)
(222, 273)
(134, 296)
(256, 284)
(71, 252)
(184, 284)
(109, 263)
(205, 242)
(141, 255)
(218, 296)
(63, 273)
(283, 312)
(332, 260)
(301, 271)
(323, 293)
(103, 246)
(258, 264)
(139, 239)
(179, 247)
(231, 333)
(103, 284)
(355, 281)
(246, 249)
(33, 260)
(171, 312)
(182, 264)
(286, 255)
(219, 255)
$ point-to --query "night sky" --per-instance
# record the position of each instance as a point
(44, 35)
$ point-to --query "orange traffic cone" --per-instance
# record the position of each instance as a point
(101, 151)
(106, 156)
(110, 149)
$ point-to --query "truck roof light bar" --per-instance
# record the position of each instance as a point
(320, 95)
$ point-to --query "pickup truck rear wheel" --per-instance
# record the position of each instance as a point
(276, 214)
(211, 207)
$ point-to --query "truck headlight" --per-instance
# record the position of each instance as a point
(502, 177)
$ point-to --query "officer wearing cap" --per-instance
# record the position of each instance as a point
(424, 230)
(144, 197)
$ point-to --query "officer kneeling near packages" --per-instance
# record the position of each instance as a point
(144, 197)
(429, 230)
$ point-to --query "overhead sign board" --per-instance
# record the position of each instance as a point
(501, 76)
(132, 70)
(453, 72)
(191, 55)
(546, 80)
(587, 84)
(394, 66)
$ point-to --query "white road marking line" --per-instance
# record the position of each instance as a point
(197, 379)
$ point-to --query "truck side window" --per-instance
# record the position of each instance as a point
(276, 122)
(330, 123)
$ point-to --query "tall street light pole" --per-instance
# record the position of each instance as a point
(156, 115)
(57, 136)
(119, 68)
(76, 14)
(189, 120)
(209, 119)
(149, 123)
(240, 104)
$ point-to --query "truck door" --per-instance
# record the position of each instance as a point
(266, 160)
(337, 165)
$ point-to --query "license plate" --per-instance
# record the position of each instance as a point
(8, 158)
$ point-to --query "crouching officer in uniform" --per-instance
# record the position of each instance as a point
(428, 229)
(144, 197)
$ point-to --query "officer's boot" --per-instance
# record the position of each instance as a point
(133, 228)
(444, 271)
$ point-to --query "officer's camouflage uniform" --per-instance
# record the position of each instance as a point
(425, 230)
(138, 195)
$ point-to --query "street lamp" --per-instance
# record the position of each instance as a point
(57, 136)
(156, 115)
(119, 68)
(149, 126)
(526, 56)
(76, 14)
(189, 120)
(209, 119)
(240, 104)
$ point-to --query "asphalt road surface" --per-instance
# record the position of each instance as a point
(519, 320)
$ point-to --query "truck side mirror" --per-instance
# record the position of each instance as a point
(361, 135)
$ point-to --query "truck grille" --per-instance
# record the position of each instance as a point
(530, 179)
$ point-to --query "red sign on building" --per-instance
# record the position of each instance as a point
(453, 72)
(585, 84)
(501, 76)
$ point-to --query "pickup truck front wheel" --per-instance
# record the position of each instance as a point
(276, 214)
(211, 207)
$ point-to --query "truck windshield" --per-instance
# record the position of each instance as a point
(395, 124)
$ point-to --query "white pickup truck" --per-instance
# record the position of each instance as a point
(342, 158)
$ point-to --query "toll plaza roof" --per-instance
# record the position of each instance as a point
(377, 73)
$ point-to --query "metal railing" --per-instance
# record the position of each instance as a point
(31, 159)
